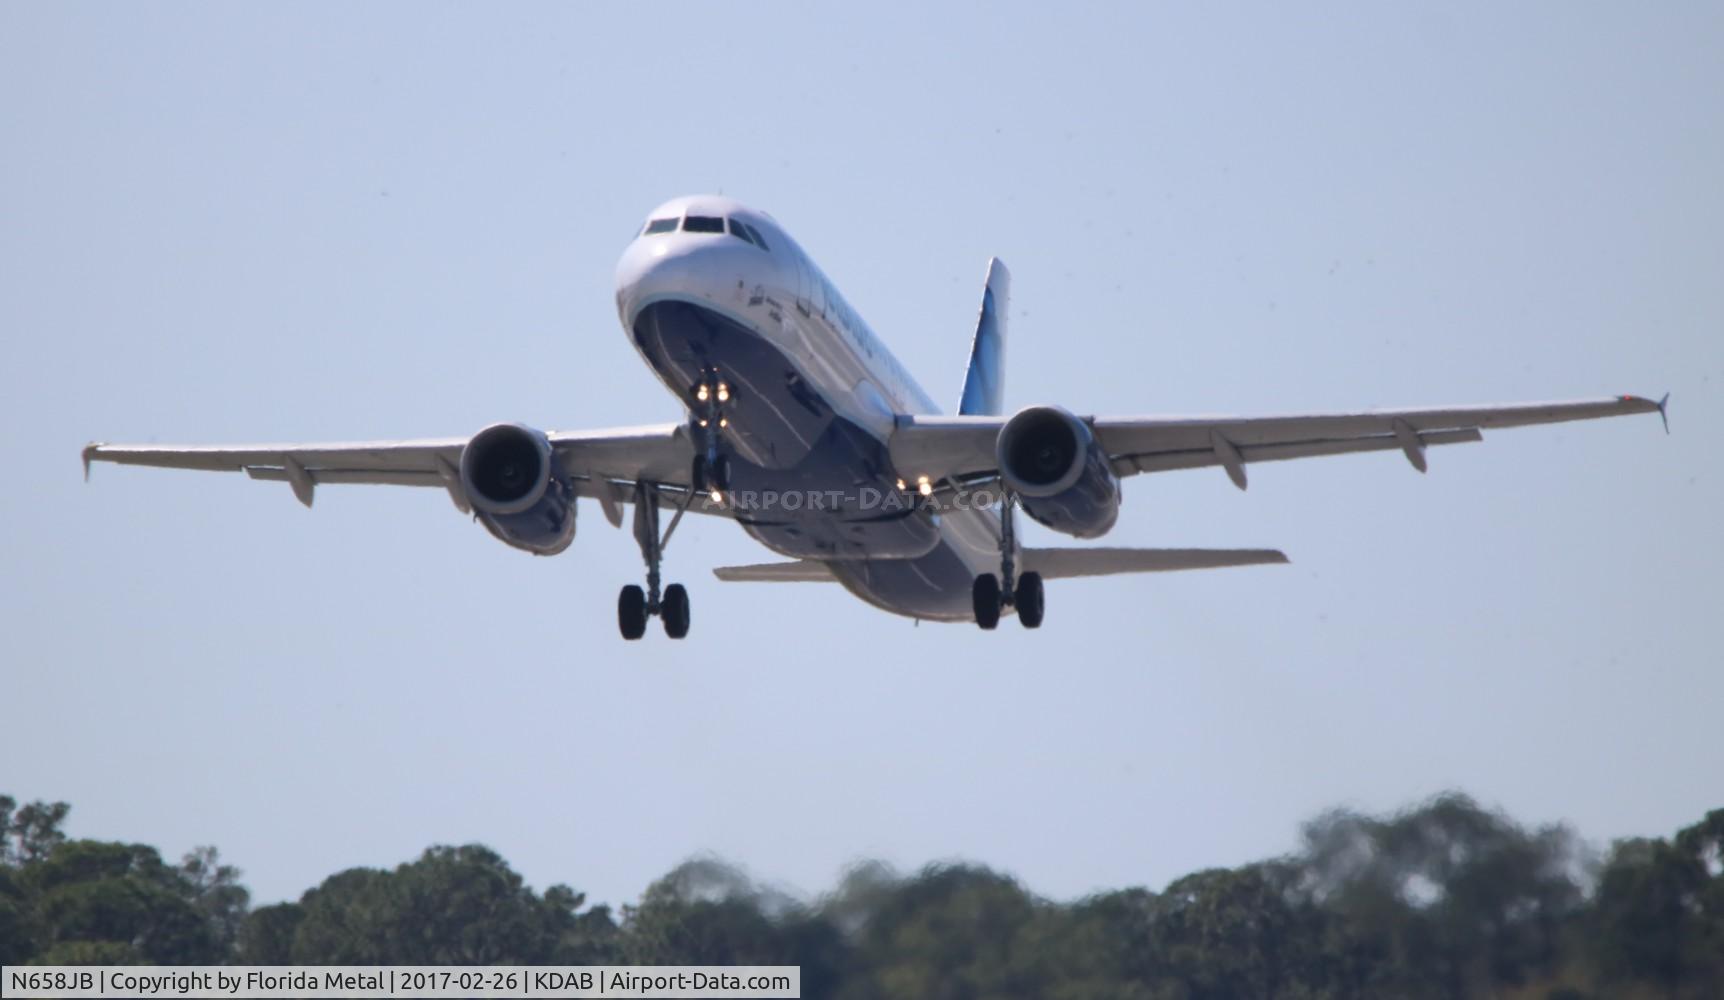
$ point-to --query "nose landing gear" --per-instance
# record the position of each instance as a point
(990, 594)
(711, 472)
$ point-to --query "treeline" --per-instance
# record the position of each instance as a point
(1445, 900)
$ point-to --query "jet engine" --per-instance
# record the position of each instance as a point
(518, 489)
(1051, 460)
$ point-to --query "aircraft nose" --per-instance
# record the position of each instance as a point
(689, 266)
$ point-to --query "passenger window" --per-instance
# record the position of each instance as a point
(757, 238)
(660, 226)
(739, 231)
(703, 224)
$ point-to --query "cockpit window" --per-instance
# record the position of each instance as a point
(740, 231)
(703, 224)
(660, 226)
(756, 234)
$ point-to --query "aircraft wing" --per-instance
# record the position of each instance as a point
(955, 450)
(603, 464)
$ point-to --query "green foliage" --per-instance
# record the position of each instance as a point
(706, 913)
(217, 894)
(29, 834)
(1445, 900)
(267, 935)
(18, 931)
(453, 906)
(1243, 932)
(89, 891)
(1658, 915)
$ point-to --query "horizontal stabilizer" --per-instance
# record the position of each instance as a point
(1053, 564)
(799, 571)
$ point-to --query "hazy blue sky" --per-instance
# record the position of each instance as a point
(236, 223)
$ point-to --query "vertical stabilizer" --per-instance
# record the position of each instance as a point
(984, 383)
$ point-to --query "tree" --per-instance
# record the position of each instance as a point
(1650, 922)
(266, 936)
(217, 893)
(345, 921)
(453, 906)
(952, 932)
(18, 930)
(1239, 933)
(30, 834)
(704, 912)
(1447, 899)
(92, 891)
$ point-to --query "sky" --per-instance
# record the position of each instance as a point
(235, 223)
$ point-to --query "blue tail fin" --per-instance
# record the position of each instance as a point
(984, 383)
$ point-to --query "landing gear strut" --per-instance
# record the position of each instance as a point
(634, 605)
(990, 594)
(711, 472)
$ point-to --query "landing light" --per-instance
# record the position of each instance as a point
(700, 392)
(703, 421)
(923, 486)
(724, 421)
(717, 496)
(901, 484)
(723, 392)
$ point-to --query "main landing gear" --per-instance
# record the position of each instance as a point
(635, 605)
(709, 475)
(990, 594)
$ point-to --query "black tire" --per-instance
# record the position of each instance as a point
(985, 599)
(721, 473)
(631, 612)
(1029, 600)
(674, 611)
(697, 475)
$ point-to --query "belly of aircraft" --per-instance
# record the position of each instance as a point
(805, 481)
(775, 416)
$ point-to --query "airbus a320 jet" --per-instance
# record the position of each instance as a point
(803, 428)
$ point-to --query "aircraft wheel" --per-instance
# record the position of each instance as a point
(721, 472)
(697, 475)
(674, 611)
(1029, 600)
(985, 598)
(631, 612)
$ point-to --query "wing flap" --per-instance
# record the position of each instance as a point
(797, 571)
(373, 477)
(1060, 563)
(1167, 461)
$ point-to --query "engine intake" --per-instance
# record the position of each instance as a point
(1052, 462)
(506, 468)
(517, 488)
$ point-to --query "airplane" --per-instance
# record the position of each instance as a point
(801, 426)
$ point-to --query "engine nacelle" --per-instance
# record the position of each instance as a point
(1061, 475)
(518, 488)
